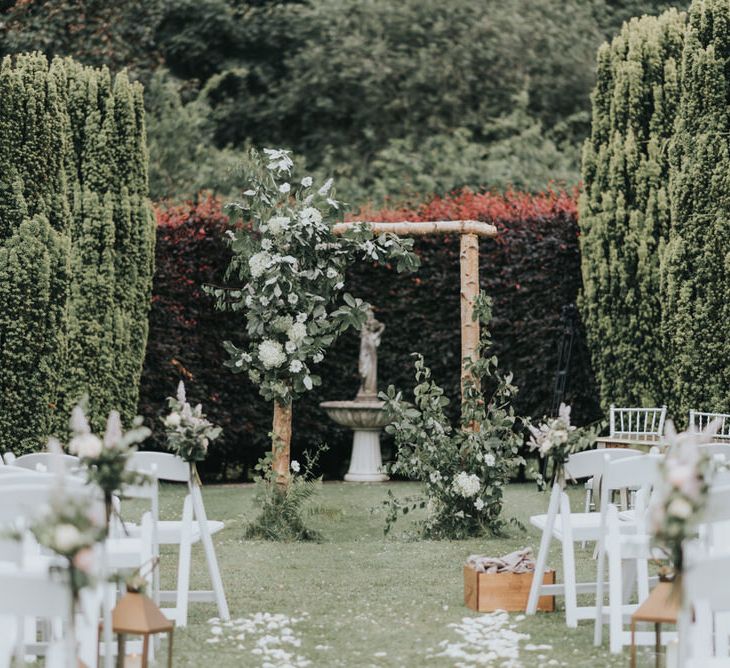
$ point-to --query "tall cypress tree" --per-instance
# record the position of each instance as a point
(624, 209)
(76, 245)
(695, 277)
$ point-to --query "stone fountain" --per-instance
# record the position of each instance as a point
(365, 414)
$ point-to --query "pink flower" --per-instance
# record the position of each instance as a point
(85, 560)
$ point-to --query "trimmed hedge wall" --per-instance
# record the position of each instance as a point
(531, 271)
(76, 245)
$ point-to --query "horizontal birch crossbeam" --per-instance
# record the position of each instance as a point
(411, 229)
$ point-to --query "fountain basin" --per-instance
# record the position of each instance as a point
(366, 418)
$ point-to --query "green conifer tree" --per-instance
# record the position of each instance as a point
(624, 209)
(695, 275)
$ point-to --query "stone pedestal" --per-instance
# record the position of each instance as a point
(366, 417)
(366, 464)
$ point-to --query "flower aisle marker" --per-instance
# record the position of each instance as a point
(188, 431)
(189, 434)
(105, 459)
(680, 496)
(464, 469)
(556, 439)
(71, 527)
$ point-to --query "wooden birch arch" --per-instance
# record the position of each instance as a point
(469, 232)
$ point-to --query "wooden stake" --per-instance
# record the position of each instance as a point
(281, 430)
(469, 262)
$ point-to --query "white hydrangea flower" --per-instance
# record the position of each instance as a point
(466, 484)
(278, 224)
(296, 366)
(297, 332)
(489, 459)
(292, 298)
(258, 263)
(479, 503)
(266, 244)
(435, 477)
(271, 354)
(307, 181)
(310, 216)
(290, 346)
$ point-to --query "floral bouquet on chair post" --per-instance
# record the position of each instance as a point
(189, 432)
(70, 528)
(556, 439)
(681, 496)
(105, 459)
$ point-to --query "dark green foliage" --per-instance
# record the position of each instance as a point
(696, 264)
(624, 209)
(76, 245)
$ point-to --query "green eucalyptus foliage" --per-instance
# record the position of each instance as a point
(625, 208)
(76, 245)
(464, 470)
(695, 279)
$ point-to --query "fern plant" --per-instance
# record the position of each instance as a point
(283, 506)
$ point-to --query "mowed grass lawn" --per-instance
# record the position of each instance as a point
(362, 598)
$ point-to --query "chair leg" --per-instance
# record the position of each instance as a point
(600, 570)
(615, 602)
(587, 509)
(205, 538)
(571, 596)
(542, 554)
(183, 566)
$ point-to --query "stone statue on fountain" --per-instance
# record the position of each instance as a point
(370, 336)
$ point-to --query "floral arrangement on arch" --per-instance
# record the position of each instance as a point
(188, 430)
(556, 439)
(464, 469)
(681, 494)
(291, 270)
(105, 458)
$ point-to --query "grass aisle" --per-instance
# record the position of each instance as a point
(359, 598)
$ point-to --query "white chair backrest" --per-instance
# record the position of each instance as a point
(717, 508)
(700, 582)
(590, 463)
(698, 421)
(164, 465)
(28, 500)
(640, 423)
(26, 477)
(26, 595)
(47, 460)
(640, 471)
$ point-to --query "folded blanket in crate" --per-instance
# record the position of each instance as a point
(519, 561)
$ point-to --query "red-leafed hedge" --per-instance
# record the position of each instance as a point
(531, 270)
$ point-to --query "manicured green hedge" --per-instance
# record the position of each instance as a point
(531, 271)
(76, 245)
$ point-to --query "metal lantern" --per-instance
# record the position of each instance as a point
(137, 615)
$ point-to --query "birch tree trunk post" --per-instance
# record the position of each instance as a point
(281, 442)
(469, 268)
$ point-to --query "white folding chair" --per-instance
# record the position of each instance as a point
(32, 595)
(567, 528)
(193, 527)
(624, 541)
(699, 421)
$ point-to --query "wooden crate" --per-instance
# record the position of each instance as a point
(486, 592)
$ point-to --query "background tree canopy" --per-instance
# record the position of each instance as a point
(393, 98)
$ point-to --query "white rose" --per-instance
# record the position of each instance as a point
(296, 366)
(680, 508)
(292, 298)
(290, 346)
(86, 446)
(66, 537)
